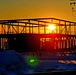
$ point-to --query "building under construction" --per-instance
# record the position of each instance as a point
(26, 35)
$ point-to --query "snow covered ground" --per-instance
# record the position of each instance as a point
(13, 63)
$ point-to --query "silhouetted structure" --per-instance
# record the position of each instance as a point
(34, 35)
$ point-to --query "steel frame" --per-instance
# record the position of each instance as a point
(64, 30)
(21, 25)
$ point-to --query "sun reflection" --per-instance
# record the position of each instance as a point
(73, 61)
(61, 61)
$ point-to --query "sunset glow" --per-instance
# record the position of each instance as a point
(51, 27)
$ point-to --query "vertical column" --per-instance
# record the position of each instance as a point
(74, 29)
(44, 28)
(74, 42)
(18, 28)
(61, 43)
(32, 28)
(70, 28)
(68, 42)
(65, 28)
(65, 42)
(29, 26)
(59, 27)
(56, 43)
(38, 28)
(71, 42)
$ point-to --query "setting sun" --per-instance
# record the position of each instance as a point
(51, 27)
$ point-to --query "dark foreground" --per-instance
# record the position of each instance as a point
(55, 73)
(13, 63)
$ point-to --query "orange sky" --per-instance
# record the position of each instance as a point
(16, 9)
